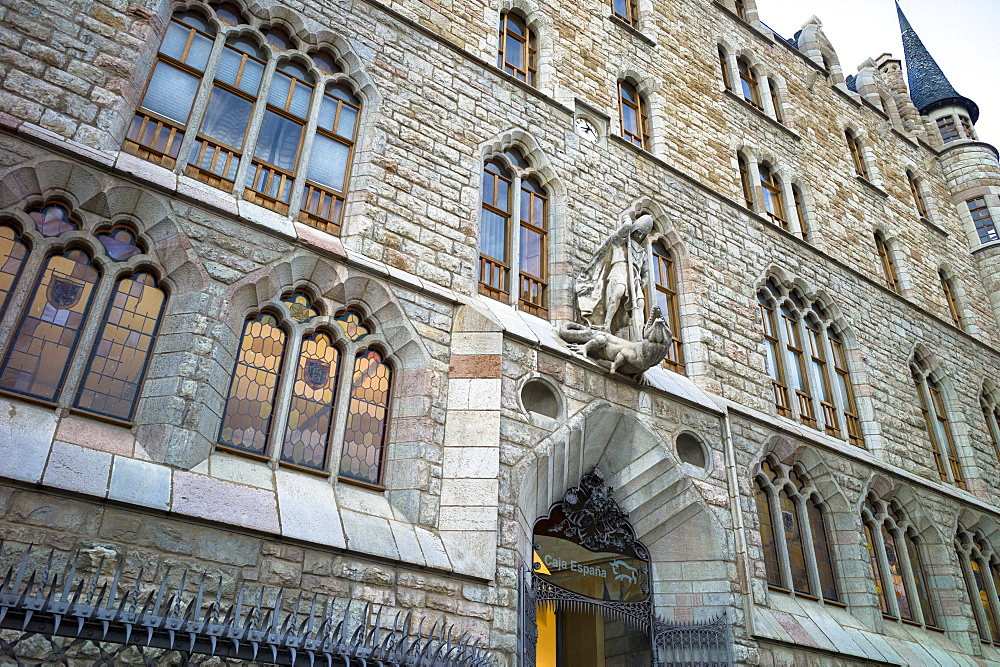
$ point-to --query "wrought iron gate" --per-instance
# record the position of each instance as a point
(97, 620)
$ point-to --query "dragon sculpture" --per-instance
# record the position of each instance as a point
(628, 357)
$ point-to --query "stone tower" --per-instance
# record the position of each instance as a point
(970, 166)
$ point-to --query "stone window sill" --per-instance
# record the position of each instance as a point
(629, 28)
(760, 114)
(984, 246)
(872, 186)
(934, 228)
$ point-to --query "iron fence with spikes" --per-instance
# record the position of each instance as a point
(87, 620)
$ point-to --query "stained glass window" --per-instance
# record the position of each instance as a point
(919, 578)
(767, 537)
(119, 243)
(300, 306)
(250, 406)
(821, 547)
(876, 569)
(792, 526)
(38, 358)
(310, 412)
(353, 324)
(367, 419)
(53, 220)
(118, 360)
(896, 573)
(12, 254)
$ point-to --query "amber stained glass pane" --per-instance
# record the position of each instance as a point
(250, 406)
(53, 220)
(119, 243)
(12, 254)
(984, 598)
(793, 541)
(39, 356)
(876, 569)
(367, 419)
(920, 579)
(118, 361)
(768, 545)
(300, 306)
(353, 324)
(310, 412)
(821, 547)
(896, 574)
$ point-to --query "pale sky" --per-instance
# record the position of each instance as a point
(962, 35)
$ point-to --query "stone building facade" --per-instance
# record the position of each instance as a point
(816, 462)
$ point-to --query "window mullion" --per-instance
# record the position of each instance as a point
(283, 394)
(784, 564)
(342, 402)
(833, 380)
(514, 239)
(808, 546)
(200, 103)
(755, 190)
(888, 589)
(909, 581)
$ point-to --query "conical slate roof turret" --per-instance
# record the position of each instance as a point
(929, 87)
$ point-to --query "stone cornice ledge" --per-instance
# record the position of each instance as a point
(841, 448)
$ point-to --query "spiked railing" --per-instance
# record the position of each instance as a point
(99, 621)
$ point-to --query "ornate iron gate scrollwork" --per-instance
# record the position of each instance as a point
(91, 620)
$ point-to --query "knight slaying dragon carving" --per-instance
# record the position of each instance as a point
(611, 300)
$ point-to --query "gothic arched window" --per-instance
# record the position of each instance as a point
(48, 338)
(794, 537)
(770, 190)
(980, 566)
(934, 408)
(990, 404)
(518, 51)
(857, 154)
(888, 265)
(664, 274)
(507, 187)
(748, 83)
(286, 384)
(290, 166)
(806, 355)
(897, 564)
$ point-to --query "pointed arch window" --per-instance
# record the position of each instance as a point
(980, 567)
(121, 354)
(741, 9)
(518, 52)
(806, 355)
(797, 553)
(634, 115)
(888, 265)
(948, 289)
(665, 296)
(918, 198)
(775, 101)
(745, 181)
(748, 83)
(991, 415)
(935, 412)
(161, 120)
(310, 411)
(506, 188)
(897, 564)
(724, 68)
(800, 212)
(362, 457)
(42, 348)
(857, 154)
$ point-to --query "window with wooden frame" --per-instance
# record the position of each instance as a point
(727, 78)
(934, 409)
(800, 212)
(770, 191)
(981, 218)
(741, 9)
(798, 556)
(518, 52)
(507, 187)
(980, 566)
(888, 265)
(626, 10)
(251, 109)
(775, 100)
(948, 289)
(857, 154)
(918, 198)
(745, 181)
(49, 341)
(806, 355)
(286, 391)
(967, 127)
(635, 121)
(748, 83)
(990, 404)
(948, 129)
(159, 123)
(664, 274)
(897, 564)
